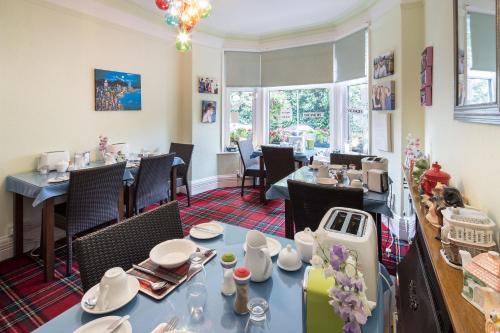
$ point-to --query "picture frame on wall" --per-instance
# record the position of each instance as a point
(208, 85)
(117, 91)
(384, 96)
(208, 112)
(383, 66)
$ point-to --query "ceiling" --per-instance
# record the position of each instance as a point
(267, 18)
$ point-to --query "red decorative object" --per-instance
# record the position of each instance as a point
(162, 4)
(241, 272)
(431, 177)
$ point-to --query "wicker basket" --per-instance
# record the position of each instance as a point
(452, 247)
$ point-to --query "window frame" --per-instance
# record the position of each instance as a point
(227, 110)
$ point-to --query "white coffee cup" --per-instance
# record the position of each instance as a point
(356, 183)
(113, 288)
(304, 243)
(62, 166)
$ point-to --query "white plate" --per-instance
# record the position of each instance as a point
(327, 181)
(293, 269)
(213, 226)
(101, 325)
(133, 289)
(273, 245)
(161, 327)
(58, 179)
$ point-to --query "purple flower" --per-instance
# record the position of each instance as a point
(338, 255)
(352, 327)
(343, 280)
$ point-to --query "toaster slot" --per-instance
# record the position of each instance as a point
(355, 225)
(338, 221)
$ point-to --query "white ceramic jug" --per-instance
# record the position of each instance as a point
(257, 257)
(323, 172)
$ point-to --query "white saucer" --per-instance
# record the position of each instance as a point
(273, 245)
(293, 269)
(213, 226)
(314, 167)
(101, 325)
(327, 181)
(133, 289)
(58, 179)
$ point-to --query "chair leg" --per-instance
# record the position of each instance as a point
(188, 194)
(253, 184)
(69, 259)
(242, 184)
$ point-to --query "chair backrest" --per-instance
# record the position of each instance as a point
(310, 202)
(152, 180)
(246, 149)
(279, 162)
(126, 243)
(347, 159)
(93, 196)
(184, 151)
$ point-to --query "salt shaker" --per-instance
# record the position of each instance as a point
(228, 262)
(241, 277)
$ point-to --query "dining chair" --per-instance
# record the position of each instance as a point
(347, 159)
(151, 186)
(251, 167)
(126, 243)
(93, 196)
(279, 163)
(310, 202)
(185, 152)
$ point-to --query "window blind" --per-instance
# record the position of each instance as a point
(483, 41)
(350, 57)
(242, 69)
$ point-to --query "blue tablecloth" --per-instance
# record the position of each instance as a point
(35, 185)
(372, 201)
(302, 157)
(283, 291)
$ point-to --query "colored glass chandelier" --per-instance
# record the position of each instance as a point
(184, 15)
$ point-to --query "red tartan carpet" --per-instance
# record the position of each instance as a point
(26, 302)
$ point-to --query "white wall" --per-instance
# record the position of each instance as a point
(469, 152)
(47, 59)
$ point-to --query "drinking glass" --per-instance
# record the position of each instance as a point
(196, 289)
(257, 321)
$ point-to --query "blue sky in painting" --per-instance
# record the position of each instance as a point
(111, 76)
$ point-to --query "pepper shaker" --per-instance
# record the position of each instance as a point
(241, 278)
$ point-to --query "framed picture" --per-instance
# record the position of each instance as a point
(383, 65)
(207, 85)
(208, 112)
(384, 96)
(117, 91)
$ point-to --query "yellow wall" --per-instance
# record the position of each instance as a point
(469, 152)
(47, 59)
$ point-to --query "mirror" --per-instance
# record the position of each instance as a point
(476, 61)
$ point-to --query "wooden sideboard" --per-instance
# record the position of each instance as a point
(428, 289)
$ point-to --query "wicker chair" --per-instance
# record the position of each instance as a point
(184, 151)
(92, 201)
(251, 167)
(152, 182)
(279, 163)
(310, 202)
(126, 243)
(347, 159)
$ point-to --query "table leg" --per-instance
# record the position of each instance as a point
(378, 221)
(173, 183)
(262, 185)
(121, 203)
(48, 238)
(289, 227)
(18, 224)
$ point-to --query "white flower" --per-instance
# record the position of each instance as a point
(316, 261)
(350, 271)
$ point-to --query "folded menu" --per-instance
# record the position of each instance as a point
(179, 274)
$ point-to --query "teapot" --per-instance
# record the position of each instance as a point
(257, 257)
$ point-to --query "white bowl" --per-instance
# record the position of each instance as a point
(326, 181)
(172, 253)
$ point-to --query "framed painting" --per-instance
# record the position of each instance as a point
(117, 91)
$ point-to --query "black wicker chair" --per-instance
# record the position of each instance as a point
(279, 163)
(310, 202)
(347, 159)
(251, 167)
(125, 243)
(184, 151)
(152, 182)
(92, 201)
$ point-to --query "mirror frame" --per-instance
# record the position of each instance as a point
(477, 113)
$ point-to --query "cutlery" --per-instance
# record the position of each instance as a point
(172, 324)
(91, 302)
(153, 285)
(117, 323)
(156, 274)
(206, 230)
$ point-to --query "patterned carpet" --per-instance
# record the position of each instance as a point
(26, 302)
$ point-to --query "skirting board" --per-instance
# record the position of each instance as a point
(211, 183)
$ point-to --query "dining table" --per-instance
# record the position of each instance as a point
(301, 157)
(373, 202)
(36, 186)
(283, 291)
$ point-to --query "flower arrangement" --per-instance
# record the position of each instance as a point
(413, 150)
(348, 293)
(103, 144)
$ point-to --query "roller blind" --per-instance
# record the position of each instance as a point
(350, 57)
(483, 42)
(242, 69)
(296, 66)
